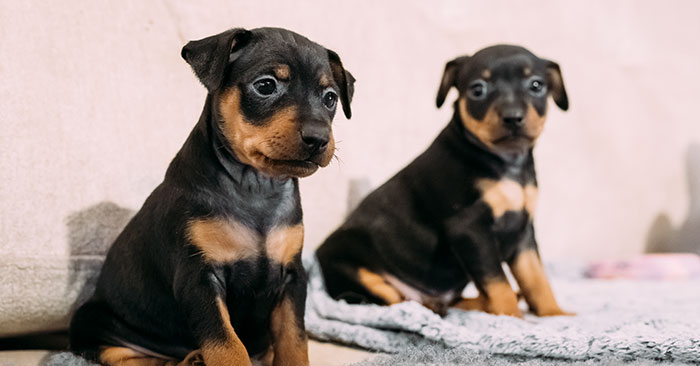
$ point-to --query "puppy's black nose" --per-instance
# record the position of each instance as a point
(315, 138)
(513, 117)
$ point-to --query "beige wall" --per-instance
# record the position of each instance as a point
(95, 101)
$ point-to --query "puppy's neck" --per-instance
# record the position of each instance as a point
(516, 158)
(207, 155)
(245, 175)
(242, 174)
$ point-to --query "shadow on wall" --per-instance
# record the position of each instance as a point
(91, 232)
(662, 236)
(358, 189)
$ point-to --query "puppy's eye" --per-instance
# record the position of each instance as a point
(477, 90)
(265, 86)
(537, 87)
(330, 99)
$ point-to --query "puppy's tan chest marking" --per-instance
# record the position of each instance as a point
(284, 243)
(507, 195)
(224, 241)
(531, 193)
(221, 240)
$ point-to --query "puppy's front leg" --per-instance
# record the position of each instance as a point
(477, 250)
(496, 296)
(528, 271)
(287, 322)
(201, 300)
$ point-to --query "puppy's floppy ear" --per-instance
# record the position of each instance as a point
(345, 81)
(556, 85)
(449, 78)
(209, 56)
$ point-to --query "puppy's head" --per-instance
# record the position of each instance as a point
(503, 94)
(275, 94)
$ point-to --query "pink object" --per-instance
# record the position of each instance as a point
(648, 267)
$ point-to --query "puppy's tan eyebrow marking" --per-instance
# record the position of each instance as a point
(324, 81)
(527, 71)
(486, 74)
(282, 72)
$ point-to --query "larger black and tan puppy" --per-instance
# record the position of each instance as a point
(462, 207)
(210, 267)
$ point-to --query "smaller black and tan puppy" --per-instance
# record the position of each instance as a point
(210, 268)
(462, 207)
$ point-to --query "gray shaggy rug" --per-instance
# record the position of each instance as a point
(433, 356)
(617, 320)
(635, 323)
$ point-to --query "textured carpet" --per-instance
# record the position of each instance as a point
(434, 356)
(638, 323)
(66, 359)
(617, 320)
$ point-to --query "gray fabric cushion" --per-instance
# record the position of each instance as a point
(40, 293)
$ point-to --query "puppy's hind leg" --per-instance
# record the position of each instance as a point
(346, 263)
(123, 356)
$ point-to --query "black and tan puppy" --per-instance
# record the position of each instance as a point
(210, 267)
(462, 207)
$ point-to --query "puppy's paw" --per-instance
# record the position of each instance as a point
(194, 358)
(508, 308)
(553, 312)
(472, 303)
(505, 306)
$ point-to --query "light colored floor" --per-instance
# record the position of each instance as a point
(22, 358)
(330, 354)
(320, 354)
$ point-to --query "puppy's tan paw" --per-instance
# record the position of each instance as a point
(553, 312)
(194, 358)
(506, 306)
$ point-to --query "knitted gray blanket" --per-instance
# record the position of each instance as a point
(643, 323)
(622, 320)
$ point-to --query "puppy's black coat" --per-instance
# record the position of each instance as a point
(210, 268)
(462, 207)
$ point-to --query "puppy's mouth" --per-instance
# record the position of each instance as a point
(513, 141)
(513, 138)
(289, 167)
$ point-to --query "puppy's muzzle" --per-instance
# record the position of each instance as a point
(513, 120)
(513, 117)
(315, 138)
